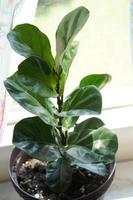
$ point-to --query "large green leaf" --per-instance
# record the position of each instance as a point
(37, 77)
(104, 142)
(87, 159)
(99, 80)
(70, 25)
(28, 40)
(86, 100)
(81, 133)
(59, 175)
(66, 62)
(35, 104)
(34, 137)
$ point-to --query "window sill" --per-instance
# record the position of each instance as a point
(122, 186)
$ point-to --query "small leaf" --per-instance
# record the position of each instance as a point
(35, 104)
(66, 62)
(70, 25)
(88, 124)
(59, 175)
(83, 155)
(34, 137)
(27, 40)
(104, 142)
(37, 77)
(87, 159)
(69, 122)
(81, 133)
(99, 80)
(99, 168)
(82, 101)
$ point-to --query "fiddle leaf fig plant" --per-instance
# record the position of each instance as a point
(54, 134)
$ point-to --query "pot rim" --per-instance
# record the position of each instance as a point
(14, 180)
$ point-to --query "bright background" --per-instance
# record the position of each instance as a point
(104, 41)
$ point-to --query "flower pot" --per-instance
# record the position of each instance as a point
(18, 158)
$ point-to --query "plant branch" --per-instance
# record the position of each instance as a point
(60, 103)
(66, 134)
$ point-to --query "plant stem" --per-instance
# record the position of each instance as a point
(60, 102)
(66, 134)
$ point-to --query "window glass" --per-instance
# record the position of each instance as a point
(104, 41)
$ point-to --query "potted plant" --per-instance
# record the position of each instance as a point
(57, 157)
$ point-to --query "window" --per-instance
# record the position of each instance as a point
(11, 12)
(104, 44)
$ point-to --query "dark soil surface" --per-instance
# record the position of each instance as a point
(32, 179)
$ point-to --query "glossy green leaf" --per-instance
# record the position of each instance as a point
(34, 137)
(88, 124)
(87, 159)
(86, 100)
(99, 80)
(70, 25)
(81, 133)
(104, 142)
(35, 104)
(66, 62)
(68, 122)
(37, 77)
(99, 168)
(28, 40)
(83, 155)
(59, 175)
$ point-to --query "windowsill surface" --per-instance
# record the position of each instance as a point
(121, 188)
